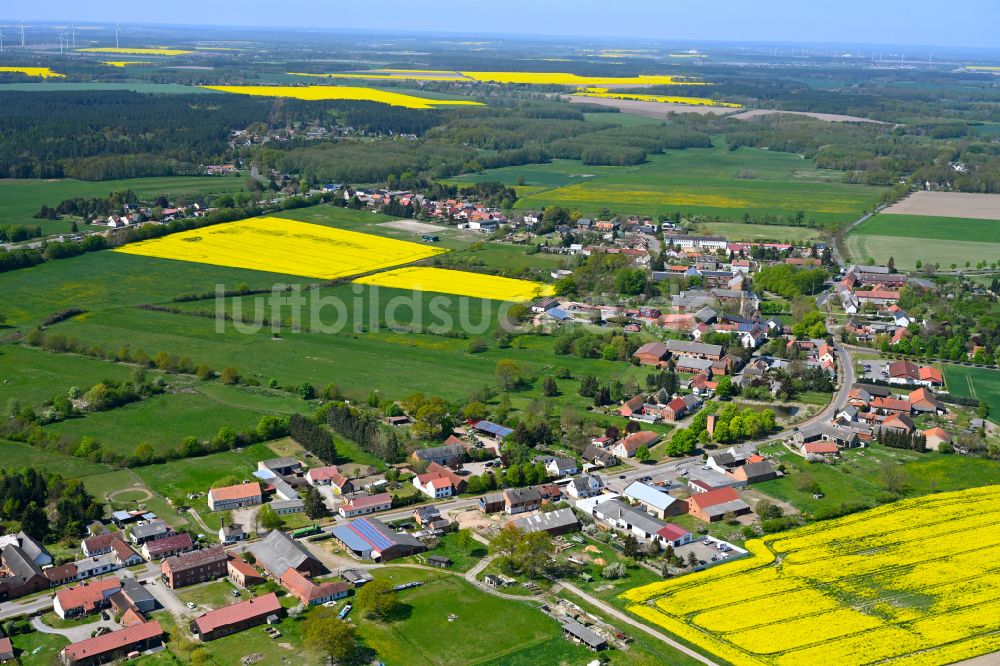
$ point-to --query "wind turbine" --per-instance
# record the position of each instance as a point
(1, 41)
(63, 40)
(72, 30)
(116, 35)
(21, 28)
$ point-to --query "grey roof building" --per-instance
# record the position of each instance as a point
(556, 522)
(278, 552)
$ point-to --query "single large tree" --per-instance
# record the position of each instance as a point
(378, 599)
(327, 634)
(314, 505)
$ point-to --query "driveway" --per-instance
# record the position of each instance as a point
(168, 600)
(75, 634)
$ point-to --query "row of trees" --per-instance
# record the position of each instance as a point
(313, 438)
(365, 427)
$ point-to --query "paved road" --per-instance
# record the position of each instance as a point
(618, 615)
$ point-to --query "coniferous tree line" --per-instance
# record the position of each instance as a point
(312, 437)
(365, 427)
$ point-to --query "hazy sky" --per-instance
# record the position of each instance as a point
(952, 23)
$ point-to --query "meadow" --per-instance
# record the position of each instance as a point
(279, 245)
(164, 420)
(21, 199)
(975, 383)
(854, 478)
(422, 633)
(737, 231)
(134, 86)
(816, 595)
(32, 376)
(177, 478)
(711, 182)
(925, 238)
(344, 92)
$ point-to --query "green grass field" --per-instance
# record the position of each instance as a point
(423, 634)
(123, 483)
(737, 231)
(21, 199)
(177, 478)
(17, 455)
(701, 181)
(909, 238)
(855, 478)
(975, 383)
(162, 421)
(38, 649)
(161, 88)
(33, 376)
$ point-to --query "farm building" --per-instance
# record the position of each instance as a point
(194, 567)
(311, 593)
(85, 598)
(370, 538)
(713, 505)
(360, 505)
(173, 545)
(237, 617)
(243, 573)
(234, 497)
(113, 646)
(277, 552)
(654, 500)
(560, 521)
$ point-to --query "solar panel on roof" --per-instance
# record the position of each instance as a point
(369, 533)
(494, 429)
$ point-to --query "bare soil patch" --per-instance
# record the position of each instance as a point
(649, 109)
(413, 226)
(948, 204)
(830, 117)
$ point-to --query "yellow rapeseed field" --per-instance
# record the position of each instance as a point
(533, 78)
(461, 283)
(564, 79)
(344, 92)
(665, 99)
(277, 245)
(912, 583)
(135, 51)
(44, 72)
(125, 63)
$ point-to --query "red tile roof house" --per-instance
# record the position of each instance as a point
(364, 504)
(98, 544)
(6, 650)
(459, 483)
(674, 535)
(234, 497)
(194, 567)
(85, 598)
(632, 406)
(936, 437)
(313, 594)
(675, 410)
(907, 372)
(713, 505)
(652, 353)
(899, 423)
(161, 548)
(627, 447)
(435, 486)
(821, 448)
(892, 405)
(923, 401)
(237, 617)
(243, 573)
(329, 476)
(112, 646)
